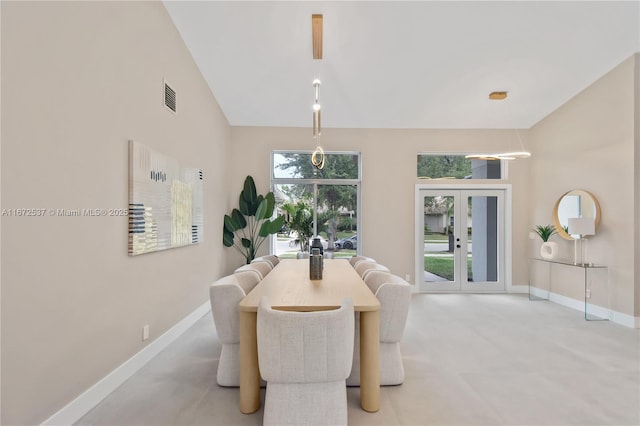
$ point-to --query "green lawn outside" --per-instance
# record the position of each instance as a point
(436, 237)
(443, 266)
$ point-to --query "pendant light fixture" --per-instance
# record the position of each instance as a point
(318, 157)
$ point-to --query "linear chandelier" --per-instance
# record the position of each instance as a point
(514, 155)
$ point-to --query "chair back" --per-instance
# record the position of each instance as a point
(262, 268)
(375, 278)
(271, 259)
(356, 259)
(225, 294)
(395, 297)
(305, 347)
(363, 268)
(247, 279)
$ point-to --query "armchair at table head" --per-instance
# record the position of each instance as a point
(305, 358)
(225, 294)
(394, 295)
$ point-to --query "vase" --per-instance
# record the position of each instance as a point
(549, 250)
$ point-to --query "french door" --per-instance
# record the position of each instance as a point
(460, 240)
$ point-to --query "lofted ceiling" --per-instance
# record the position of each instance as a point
(417, 64)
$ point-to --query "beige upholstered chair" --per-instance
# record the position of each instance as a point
(248, 279)
(394, 295)
(356, 259)
(262, 268)
(363, 268)
(305, 358)
(225, 294)
(271, 259)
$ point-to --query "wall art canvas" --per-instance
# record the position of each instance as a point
(165, 201)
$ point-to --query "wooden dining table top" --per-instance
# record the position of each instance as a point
(288, 287)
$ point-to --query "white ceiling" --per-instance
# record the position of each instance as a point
(404, 64)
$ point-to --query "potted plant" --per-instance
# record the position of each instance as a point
(548, 249)
(251, 222)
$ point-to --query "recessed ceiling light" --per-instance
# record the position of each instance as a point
(497, 96)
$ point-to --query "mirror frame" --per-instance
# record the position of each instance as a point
(556, 221)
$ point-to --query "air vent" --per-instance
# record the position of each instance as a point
(169, 97)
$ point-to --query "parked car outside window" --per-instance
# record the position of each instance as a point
(348, 243)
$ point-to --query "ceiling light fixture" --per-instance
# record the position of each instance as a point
(497, 96)
(318, 157)
(316, 34)
(514, 155)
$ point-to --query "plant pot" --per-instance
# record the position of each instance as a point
(549, 250)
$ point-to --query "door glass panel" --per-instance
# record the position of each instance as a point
(483, 235)
(439, 244)
(460, 240)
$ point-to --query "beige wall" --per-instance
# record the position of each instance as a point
(78, 80)
(388, 179)
(588, 143)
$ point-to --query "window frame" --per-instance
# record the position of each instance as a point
(503, 167)
(321, 181)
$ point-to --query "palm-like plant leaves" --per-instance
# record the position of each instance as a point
(251, 221)
(227, 237)
(545, 231)
(271, 226)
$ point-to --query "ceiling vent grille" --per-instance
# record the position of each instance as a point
(169, 97)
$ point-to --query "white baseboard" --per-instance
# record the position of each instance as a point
(613, 316)
(77, 408)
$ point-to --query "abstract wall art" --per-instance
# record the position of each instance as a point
(165, 202)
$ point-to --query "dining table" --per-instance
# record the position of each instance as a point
(289, 287)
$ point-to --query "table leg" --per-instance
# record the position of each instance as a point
(249, 370)
(370, 361)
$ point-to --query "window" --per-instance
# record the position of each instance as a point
(456, 166)
(317, 202)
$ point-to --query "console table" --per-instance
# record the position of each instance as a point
(589, 272)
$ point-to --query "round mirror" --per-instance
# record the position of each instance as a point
(574, 204)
